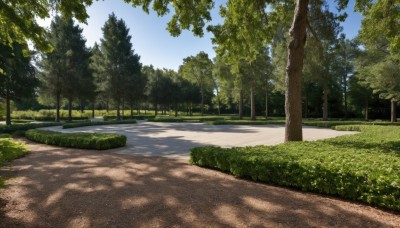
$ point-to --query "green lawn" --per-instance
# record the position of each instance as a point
(363, 167)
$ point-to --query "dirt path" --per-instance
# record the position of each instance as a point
(56, 187)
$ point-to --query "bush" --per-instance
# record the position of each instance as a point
(98, 141)
(113, 117)
(167, 119)
(363, 167)
(87, 123)
(24, 127)
(10, 150)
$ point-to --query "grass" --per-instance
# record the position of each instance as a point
(363, 167)
(98, 141)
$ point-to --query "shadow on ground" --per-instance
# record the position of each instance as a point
(57, 187)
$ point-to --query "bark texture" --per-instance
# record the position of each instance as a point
(293, 111)
(393, 116)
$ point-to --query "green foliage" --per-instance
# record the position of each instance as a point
(5, 136)
(166, 119)
(10, 150)
(24, 127)
(88, 123)
(98, 141)
(363, 167)
(141, 117)
(48, 115)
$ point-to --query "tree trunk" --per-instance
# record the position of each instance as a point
(393, 116)
(8, 108)
(202, 102)
(69, 110)
(176, 110)
(366, 110)
(266, 102)
(93, 107)
(58, 100)
(241, 104)
(325, 104)
(107, 106)
(252, 103)
(218, 101)
(118, 113)
(191, 109)
(131, 110)
(293, 128)
(138, 111)
(123, 108)
(155, 109)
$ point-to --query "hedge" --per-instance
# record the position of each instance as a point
(167, 119)
(139, 117)
(24, 127)
(87, 123)
(98, 141)
(363, 167)
(10, 150)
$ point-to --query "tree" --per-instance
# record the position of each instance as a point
(53, 64)
(116, 48)
(18, 80)
(379, 33)
(198, 69)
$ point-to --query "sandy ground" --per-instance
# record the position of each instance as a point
(56, 187)
(175, 139)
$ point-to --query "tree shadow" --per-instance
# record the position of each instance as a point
(69, 187)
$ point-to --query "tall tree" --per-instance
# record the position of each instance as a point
(18, 80)
(116, 48)
(198, 69)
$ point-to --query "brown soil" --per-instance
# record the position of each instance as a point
(56, 187)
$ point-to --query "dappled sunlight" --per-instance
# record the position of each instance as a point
(86, 188)
(134, 202)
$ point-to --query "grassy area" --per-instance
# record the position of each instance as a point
(363, 167)
(88, 123)
(10, 150)
(98, 141)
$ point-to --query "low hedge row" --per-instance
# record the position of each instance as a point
(167, 119)
(24, 127)
(98, 141)
(363, 167)
(140, 117)
(87, 123)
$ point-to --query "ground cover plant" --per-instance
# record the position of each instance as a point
(10, 150)
(98, 141)
(89, 123)
(363, 167)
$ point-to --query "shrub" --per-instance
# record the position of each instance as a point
(363, 167)
(24, 127)
(10, 150)
(87, 123)
(167, 119)
(98, 141)
(113, 117)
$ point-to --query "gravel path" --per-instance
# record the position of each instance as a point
(57, 187)
(175, 139)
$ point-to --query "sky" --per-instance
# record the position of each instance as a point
(153, 42)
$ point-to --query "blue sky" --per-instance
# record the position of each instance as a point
(153, 42)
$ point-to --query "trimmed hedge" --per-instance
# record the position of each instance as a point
(140, 117)
(167, 119)
(363, 167)
(24, 127)
(87, 123)
(98, 141)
